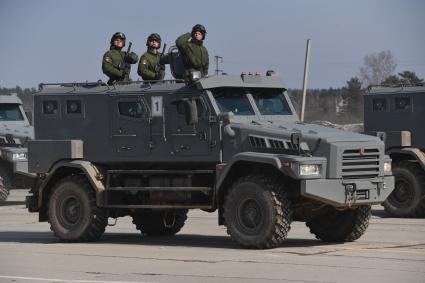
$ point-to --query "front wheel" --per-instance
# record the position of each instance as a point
(407, 199)
(72, 211)
(340, 225)
(257, 212)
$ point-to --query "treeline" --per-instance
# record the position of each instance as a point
(337, 105)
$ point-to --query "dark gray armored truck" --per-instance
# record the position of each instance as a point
(153, 150)
(396, 114)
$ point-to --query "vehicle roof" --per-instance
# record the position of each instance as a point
(395, 89)
(138, 87)
(10, 98)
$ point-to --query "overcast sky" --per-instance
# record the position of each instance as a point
(64, 41)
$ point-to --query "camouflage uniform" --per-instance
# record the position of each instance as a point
(151, 66)
(114, 63)
(195, 55)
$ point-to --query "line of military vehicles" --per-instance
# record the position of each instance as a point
(154, 150)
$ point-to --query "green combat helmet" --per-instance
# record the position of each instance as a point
(118, 35)
(199, 28)
(154, 36)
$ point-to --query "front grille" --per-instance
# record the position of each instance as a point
(357, 163)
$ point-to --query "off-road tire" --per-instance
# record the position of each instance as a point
(257, 212)
(160, 223)
(5, 182)
(72, 211)
(408, 197)
(341, 225)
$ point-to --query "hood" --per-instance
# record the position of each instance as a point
(277, 135)
(17, 131)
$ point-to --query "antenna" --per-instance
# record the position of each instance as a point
(218, 59)
(306, 65)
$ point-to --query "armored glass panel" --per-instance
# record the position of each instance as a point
(402, 103)
(233, 99)
(379, 104)
(10, 112)
(270, 102)
(132, 109)
(50, 107)
(73, 107)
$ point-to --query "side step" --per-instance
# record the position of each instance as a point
(160, 189)
(205, 190)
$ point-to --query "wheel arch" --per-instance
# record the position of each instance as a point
(405, 154)
(240, 166)
(65, 168)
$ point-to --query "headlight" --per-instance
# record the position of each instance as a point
(387, 166)
(309, 170)
(18, 156)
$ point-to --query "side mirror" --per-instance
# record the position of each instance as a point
(191, 112)
(296, 139)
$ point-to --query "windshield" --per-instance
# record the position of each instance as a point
(270, 102)
(10, 112)
(233, 99)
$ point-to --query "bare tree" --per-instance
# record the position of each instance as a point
(377, 67)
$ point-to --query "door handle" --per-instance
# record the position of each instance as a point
(128, 135)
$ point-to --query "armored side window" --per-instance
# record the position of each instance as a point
(50, 107)
(73, 107)
(200, 106)
(402, 103)
(131, 109)
(379, 104)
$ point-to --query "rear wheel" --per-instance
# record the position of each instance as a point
(340, 225)
(257, 212)
(160, 223)
(407, 199)
(72, 211)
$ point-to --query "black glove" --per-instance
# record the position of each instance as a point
(123, 66)
(157, 68)
(162, 67)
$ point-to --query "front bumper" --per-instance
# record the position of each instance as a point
(348, 192)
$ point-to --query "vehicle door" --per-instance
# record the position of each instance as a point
(130, 126)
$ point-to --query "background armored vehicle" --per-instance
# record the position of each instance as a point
(153, 150)
(396, 115)
(15, 131)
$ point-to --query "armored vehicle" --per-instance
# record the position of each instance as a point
(396, 113)
(153, 150)
(15, 131)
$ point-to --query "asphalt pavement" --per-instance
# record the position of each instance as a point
(392, 250)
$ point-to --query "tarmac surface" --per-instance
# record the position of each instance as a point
(392, 250)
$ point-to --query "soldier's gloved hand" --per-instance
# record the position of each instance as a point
(131, 57)
(162, 67)
(123, 66)
(157, 68)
